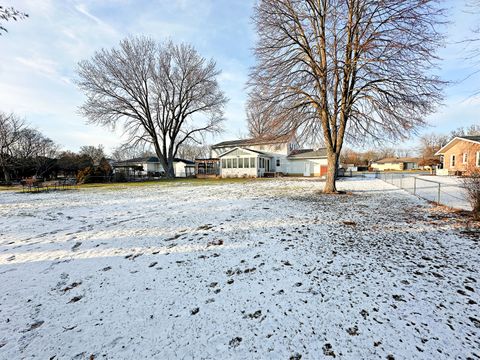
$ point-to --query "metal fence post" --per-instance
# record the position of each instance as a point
(438, 197)
(414, 185)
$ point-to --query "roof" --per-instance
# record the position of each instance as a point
(255, 141)
(474, 139)
(308, 154)
(139, 160)
(300, 151)
(397, 160)
(245, 149)
(150, 159)
(188, 162)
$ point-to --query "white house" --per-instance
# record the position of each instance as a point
(183, 168)
(276, 149)
(307, 162)
(150, 166)
(260, 157)
(397, 164)
(244, 162)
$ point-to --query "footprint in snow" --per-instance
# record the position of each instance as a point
(75, 299)
(195, 311)
(235, 342)
(34, 326)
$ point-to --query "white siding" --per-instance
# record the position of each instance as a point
(179, 168)
(298, 166)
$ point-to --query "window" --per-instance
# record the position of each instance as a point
(465, 158)
(240, 163)
(234, 163)
(229, 163)
(278, 162)
(224, 164)
(252, 163)
(246, 163)
(452, 161)
(478, 159)
(262, 163)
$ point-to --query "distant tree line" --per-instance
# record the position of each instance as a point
(26, 152)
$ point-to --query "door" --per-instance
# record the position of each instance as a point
(267, 165)
(306, 171)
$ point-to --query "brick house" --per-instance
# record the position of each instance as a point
(460, 155)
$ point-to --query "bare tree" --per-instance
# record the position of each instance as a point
(352, 68)
(10, 132)
(162, 94)
(192, 151)
(125, 152)
(469, 131)
(33, 151)
(430, 144)
(9, 13)
(471, 185)
(96, 153)
(472, 50)
(260, 118)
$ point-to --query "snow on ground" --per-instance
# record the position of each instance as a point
(248, 270)
(426, 186)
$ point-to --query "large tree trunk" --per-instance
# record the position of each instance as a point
(6, 174)
(332, 166)
(170, 173)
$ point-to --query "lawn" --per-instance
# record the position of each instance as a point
(164, 182)
(238, 269)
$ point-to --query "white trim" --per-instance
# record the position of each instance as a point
(242, 149)
(442, 150)
(477, 163)
(453, 160)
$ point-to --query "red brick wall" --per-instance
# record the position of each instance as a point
(462, 147)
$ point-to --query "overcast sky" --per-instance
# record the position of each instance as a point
(38, 57)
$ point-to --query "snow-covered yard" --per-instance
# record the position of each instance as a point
(256, 269)
(427, 187)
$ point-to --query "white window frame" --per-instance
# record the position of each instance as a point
(465, 158)
(478, 159)
(453, 160)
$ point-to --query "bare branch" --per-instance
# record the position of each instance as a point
(348, 69)
(161, 94)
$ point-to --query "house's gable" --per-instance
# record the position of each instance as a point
(281, 145)
(237, 151)
(461, 154)
(457, 140)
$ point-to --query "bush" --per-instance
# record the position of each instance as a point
(120, 177)
(471, 183)
(84, 175)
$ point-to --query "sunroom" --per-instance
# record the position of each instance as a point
(240, 162)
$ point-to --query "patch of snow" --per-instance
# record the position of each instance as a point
(260, 269)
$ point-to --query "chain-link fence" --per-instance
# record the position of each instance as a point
(447, 192)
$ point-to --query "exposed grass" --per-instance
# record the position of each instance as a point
(170, 182)
(10, 188)
(162, 182)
